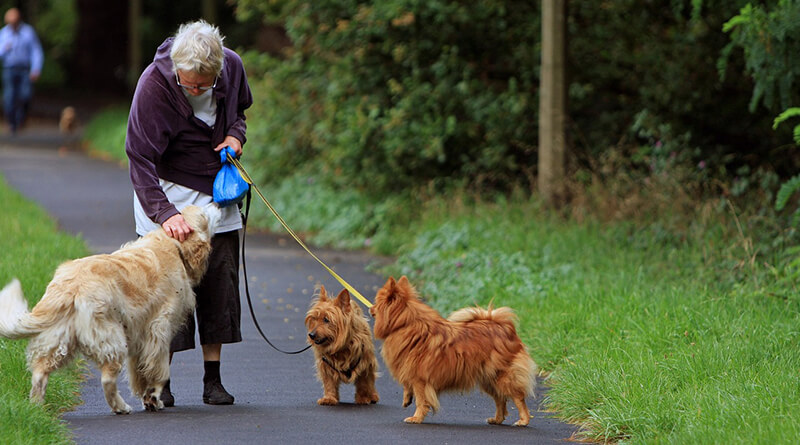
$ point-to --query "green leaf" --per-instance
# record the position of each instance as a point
(783, 117)
(787, 190)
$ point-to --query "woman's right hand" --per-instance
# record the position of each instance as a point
(176, 227)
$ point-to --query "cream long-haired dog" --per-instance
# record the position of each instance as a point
(127, 304)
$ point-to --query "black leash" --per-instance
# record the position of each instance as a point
(247, 287)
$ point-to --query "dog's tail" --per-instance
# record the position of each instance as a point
(13, 308)
(499, 315)
(521, 375)
(15, 320)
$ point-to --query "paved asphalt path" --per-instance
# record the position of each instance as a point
(275, 393)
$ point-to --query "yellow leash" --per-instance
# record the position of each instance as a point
(341, 280)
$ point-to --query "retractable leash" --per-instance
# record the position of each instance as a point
(253, 186)
(247, 287)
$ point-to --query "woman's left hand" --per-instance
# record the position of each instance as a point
(233, 143)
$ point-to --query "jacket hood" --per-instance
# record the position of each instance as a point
(162, 60)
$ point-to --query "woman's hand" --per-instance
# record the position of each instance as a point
(176, 227)
(230, 141)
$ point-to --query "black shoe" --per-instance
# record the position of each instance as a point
(166, 396)
(214, 394)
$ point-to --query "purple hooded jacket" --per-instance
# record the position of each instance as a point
(165, 139)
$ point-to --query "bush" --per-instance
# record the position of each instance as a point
(392, 94)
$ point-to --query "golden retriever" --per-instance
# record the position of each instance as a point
(109, 307)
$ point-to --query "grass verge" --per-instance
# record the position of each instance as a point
(646, 341)
(30, 249)
(104, 135)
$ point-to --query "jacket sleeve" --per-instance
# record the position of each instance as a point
(244, 99)
(147, 138)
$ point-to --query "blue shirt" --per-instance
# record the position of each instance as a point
(21, 48)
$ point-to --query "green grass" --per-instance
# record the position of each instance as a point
(105, 134)
(30, 249)
(645, 341)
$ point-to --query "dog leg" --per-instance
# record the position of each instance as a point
(408, 396)
(109, 374)
(156, 376)
(136, 380)
(152, 398)
(426, 400)
(365, 389)
(38, 385)
(501, 411)
(330, 388)
(524, 414)
(500, 399)
(44, 358)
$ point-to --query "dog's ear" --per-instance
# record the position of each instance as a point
(343, 300)
(404, 289)
(323, 295)
(389, 289)
(194, 252)
(195, 217)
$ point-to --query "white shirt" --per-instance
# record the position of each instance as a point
(181, 197)
(204, 106)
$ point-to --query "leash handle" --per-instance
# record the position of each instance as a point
(247, 287)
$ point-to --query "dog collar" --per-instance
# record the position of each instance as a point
(348, 373)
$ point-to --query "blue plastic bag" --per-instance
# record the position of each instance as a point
(229, 186)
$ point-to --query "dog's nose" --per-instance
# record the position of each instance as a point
(312, 335)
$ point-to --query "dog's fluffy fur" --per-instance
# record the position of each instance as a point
(343, 347)
(428, 354)
(108, 307)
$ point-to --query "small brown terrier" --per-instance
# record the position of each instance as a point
(428, 354)
(343, 347)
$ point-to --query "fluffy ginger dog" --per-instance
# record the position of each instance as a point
(343, 347)
(428, 354)
(127, 304)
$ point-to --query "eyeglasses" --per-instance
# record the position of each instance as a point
(196, 87)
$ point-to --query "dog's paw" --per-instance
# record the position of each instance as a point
(125, 409)
(328, 401)
(367, 399)
(495, 421)
(413, 419)
(523, 420)
(151, 402)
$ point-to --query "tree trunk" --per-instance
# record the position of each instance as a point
(135, 42)
(552, 102)
(209, 10)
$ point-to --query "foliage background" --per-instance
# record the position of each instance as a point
(389, 95)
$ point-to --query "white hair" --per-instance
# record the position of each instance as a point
(198, 48)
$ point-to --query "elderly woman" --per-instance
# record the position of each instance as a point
(189, 104)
